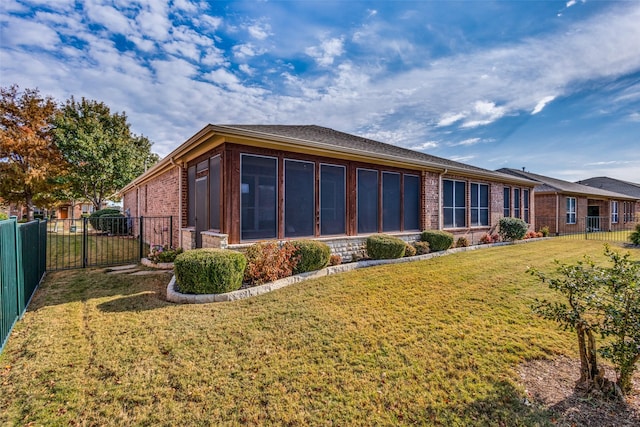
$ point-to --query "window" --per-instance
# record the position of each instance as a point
(614, 212)
(367, 192)
(506, 204)
(191, 196)
(258, 197)
(571, 210)
(454, 204)
(391, 205)
(525, 205)
(479, 205)
(411, 202)
(332, 200)
(299, 198)
(214, 192)
(516, 203)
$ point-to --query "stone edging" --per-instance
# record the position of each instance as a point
(160, 265)
(180, 298)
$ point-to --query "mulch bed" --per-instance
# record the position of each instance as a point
(551, 384)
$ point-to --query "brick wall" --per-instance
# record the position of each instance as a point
(158, 197)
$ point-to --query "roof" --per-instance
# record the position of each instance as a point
(329, 141)
(554, 185)
(611, 184)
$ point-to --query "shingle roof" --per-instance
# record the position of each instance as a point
(611, 184)
(336, 138)
(548, 184)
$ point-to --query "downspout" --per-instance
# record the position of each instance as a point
(440, 219)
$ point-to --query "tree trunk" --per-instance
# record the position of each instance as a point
(588, 361)
(29, 202)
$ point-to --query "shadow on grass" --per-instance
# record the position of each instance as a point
(138, 302)
(136, 292)
(580, 409)
(503, 407)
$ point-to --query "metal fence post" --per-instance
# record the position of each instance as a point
(171, 232)
(141, 229)
(85, 242)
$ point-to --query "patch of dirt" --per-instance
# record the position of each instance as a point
(551, 384)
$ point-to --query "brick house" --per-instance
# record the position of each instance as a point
(630, 211)
(230, 185)
(567, 207)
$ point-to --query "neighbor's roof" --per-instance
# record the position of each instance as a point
(611, 184)
(554, 185)
(329, 141)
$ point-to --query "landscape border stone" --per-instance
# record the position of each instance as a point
(174, 296)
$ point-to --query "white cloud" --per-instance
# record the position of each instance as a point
(429, 145)
(467, 142)
(542, 103)
(21, 32)
(449, 119)
(259, 30)
(109, 18)
(328, 50)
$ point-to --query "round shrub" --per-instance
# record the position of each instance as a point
(209, 271)
(335, 259)
(438, 240)
(512, 228)
(382, 246)
(312, 255)
(635, 236)
(115, 224)
(409, 250)
(94, 218)
(422, 248)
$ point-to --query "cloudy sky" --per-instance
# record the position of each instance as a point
(553, 86)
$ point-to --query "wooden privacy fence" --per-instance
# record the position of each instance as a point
(22, 266)
(105, 241)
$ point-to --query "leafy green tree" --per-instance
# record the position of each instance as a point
(103, 153)
(605, 301)
(31, 166)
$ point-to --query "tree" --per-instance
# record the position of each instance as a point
(30, 164)
(605, 301)
(103, 153)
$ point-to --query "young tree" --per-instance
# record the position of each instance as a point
(30, 163)
(603, 301)
(103, 153)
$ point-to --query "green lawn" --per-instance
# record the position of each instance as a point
(434, 342)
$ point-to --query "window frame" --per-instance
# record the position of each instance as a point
(377, 211)
(400, 217)
(506, 202)
(525, 205)
(344, 183)
(276, 195)
(571, 213)
(454, 207)
(284, 191)
(479, 209)
(404, 202)
(615, 212)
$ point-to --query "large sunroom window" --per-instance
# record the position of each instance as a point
(332, 200)
(411, 202)
(391, 206)
(299, 198)
(258, 197)
(367, 190)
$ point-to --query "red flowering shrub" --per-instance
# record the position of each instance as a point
(269, 261)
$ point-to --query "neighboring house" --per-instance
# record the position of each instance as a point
(230, 185)
(73, 209)
(567, 207)
(629, 211)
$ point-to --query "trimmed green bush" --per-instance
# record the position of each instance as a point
(512, 229)
(438, 240)
(312, 255)
(209, 271)
(383, 246)
(94, 218)
(422, 248)
(635, 236)
(115, 224)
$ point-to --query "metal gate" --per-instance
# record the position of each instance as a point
(104, 241)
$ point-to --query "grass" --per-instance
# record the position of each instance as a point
(435, 342)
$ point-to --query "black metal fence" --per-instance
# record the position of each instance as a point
(105, 241)
(602, 228)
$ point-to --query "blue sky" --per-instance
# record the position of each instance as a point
(553, 86)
